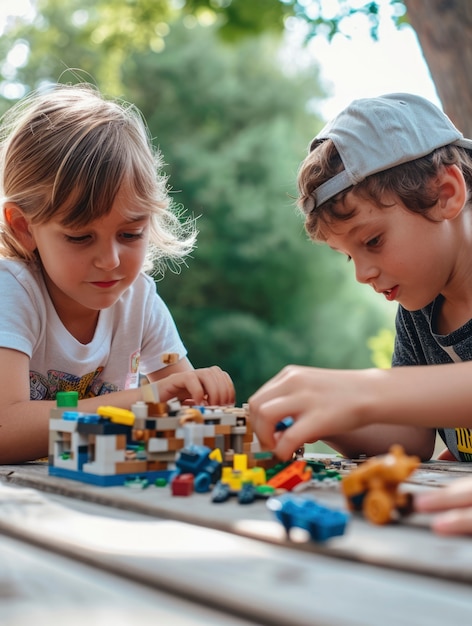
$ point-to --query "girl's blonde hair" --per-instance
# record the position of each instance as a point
(65, 152)
(414, 183)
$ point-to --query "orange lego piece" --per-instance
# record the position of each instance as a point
(290, 476)
(373, 486)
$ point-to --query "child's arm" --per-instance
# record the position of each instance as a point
(331, 405)
(24, 424)
(455, 500)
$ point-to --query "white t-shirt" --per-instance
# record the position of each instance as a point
(130, 338)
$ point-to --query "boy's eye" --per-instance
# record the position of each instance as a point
(372, 243)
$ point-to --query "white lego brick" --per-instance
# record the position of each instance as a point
(166, 423)
(106, 448)
(191, 433)
(238, 430)
(65, 426)
(140, 409)
(157, 445)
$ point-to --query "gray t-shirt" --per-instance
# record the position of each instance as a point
(416, 343)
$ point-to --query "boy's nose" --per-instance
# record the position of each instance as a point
(366, 272)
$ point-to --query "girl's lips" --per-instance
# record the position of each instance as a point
(391, 294)
(105, 284)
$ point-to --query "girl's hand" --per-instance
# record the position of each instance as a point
(454, 503)
(209, 385)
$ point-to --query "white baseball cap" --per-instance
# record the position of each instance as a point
(375, 134)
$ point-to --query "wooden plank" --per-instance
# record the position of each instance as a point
(408, 546)
(42, 588)
(256, 581)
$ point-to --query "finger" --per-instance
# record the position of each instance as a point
(217, 386)
(229, 392)
(293, 438)
(189, 386)
(264, 418)
(220, 389)
(267, 417)
(456, 495)
(281, 384)
(456, 522)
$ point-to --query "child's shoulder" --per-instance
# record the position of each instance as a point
(144, 285)
(19, 270)
(21, 283)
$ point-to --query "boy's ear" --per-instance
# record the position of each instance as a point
(452, 192)
(18, 223)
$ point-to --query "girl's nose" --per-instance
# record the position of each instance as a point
(107, 257)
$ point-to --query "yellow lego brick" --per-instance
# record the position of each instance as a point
(117, 415)
(240, 462)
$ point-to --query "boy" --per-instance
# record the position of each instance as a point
(387, 183)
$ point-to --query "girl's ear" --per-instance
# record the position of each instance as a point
(19, 225)
(452, 192)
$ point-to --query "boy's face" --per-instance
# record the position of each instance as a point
(396, 251)
(89, 268)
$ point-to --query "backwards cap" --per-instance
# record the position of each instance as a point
(375, 134)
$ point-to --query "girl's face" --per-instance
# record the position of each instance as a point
(89, 268)
(396, 251)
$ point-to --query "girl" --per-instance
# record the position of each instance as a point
(85, 212)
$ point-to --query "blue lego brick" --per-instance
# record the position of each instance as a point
(110, 480)
(195, 459)
(321, 522)
(79, 416)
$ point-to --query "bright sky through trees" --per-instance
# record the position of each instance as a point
(352, 66)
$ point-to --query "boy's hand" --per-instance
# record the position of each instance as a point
(454, 503)
(321, 403)
(209, 385)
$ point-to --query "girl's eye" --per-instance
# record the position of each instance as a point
(81, 239)
(132, 236)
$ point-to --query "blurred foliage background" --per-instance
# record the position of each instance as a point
(233, 112)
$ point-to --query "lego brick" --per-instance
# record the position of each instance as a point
(140, 410)
(158, 445)
(157, 409)
(131, 467)
(103, 428)
(221, 429)
(182, 485)
(61, 425)
(209, 442)
(238, 430)
(166, 423)
(112, 480)
(161, 456)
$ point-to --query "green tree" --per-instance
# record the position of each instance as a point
(118, 26)
(233, 128)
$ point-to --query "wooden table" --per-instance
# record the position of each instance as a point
(75, 553)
